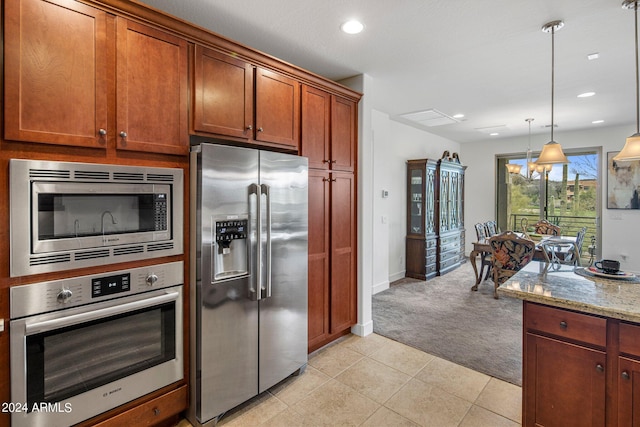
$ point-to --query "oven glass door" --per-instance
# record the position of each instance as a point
(65, 362)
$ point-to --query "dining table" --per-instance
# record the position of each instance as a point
(482, 246)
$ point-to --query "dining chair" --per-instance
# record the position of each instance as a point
(492, 228)
(485, 257)
(510, 253)
(564, 251)
(545, 227)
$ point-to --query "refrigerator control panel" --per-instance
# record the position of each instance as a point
(227, 231)
(230, 258)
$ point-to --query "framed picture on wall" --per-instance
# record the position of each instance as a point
(623, 183)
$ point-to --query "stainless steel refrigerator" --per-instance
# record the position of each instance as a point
(249, 275)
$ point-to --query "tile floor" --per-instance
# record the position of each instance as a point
(375, 381)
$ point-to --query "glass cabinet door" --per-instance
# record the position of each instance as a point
(416, 203)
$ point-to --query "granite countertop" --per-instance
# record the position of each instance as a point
(565, 288)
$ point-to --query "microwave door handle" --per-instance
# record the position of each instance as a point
(267, 191)
(255, 280)
(75, 319)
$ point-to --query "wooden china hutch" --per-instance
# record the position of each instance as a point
(435, 217)
(117, 82)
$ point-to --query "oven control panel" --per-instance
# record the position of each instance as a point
(36, 298)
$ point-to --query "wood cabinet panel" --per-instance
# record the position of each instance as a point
(344, 128)
(5, 383)
(318, 256)
(223, 94)
(332, 256)
(343, 254)
(151, 90)
(316, 127)
(57, 69)
(277, 109)
(628, 392)
(564, 384)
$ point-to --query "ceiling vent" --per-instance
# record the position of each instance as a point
(429, 118)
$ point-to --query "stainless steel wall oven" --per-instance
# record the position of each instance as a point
(84, 345)
(69, 215)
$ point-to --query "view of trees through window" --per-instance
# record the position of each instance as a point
(569, 196)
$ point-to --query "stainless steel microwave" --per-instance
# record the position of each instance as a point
(68, 215)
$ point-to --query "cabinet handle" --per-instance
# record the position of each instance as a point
(156, 411)
(333, 180)
(123, 134)
(625, 375)
(249, 127)
(333, 161)
(102, 132)
(599, 367)
(326, 179)
(326, 161)
(563, 325)
(260, 130)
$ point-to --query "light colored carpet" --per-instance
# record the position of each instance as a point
(443, 317)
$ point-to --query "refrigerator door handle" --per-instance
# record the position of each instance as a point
(266, 190)
(255, 260)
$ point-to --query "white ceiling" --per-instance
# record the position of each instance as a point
(486, 59)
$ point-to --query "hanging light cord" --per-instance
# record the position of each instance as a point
(635, 9)
(553, 31)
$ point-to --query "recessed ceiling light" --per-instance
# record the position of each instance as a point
(458, 116)
(494, 134)
(593, 56)
(352, 27)
(595, 122)
(586, 94)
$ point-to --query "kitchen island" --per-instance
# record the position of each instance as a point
(581, 346)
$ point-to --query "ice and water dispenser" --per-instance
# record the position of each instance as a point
(230, 254)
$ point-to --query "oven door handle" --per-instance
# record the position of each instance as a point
(75, 319)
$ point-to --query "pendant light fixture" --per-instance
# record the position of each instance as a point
(552, 151)
(513, 168)
(631, 149)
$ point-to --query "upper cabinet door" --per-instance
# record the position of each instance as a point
(344, 128)
(277, 109)
(57, 66)
(316, 129)
(152, 92)
(223, 94)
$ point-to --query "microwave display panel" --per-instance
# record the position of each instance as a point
(62, 215)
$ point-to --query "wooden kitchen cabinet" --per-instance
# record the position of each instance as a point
(234, 98)
(151, 90)
(329, 130)
(60, 69)
(567, 380)
(628, 376)
(332, 256)
(565, 383)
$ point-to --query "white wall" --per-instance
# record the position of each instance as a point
(393, 144)
(620, 231)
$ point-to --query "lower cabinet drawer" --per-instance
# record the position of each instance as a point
(151, 412)
(449, 262)
(566, 324)
(630, 339)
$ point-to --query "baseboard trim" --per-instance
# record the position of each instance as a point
(380, 287)
(397, 276)
(362, 330)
